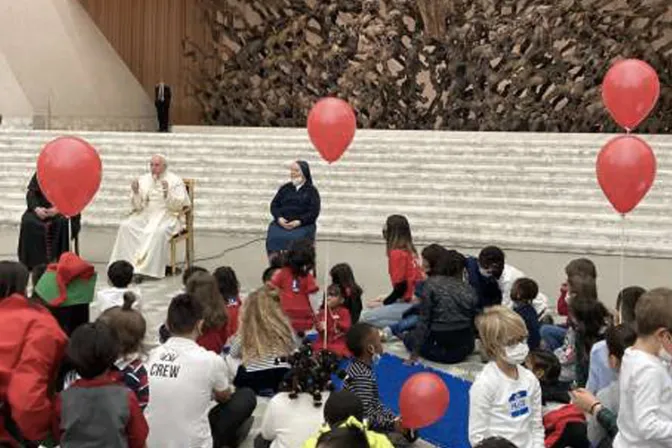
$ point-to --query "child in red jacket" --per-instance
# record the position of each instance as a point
(31, 349)
(296, 284)
(97, 409)
(338, 322)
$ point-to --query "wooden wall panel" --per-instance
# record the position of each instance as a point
(149, 35)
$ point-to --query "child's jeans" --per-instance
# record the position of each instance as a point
(552, 336)
(407, 323)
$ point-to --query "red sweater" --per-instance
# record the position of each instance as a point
(338, 324)
(402, 265)
(295, 297)
(31, 348)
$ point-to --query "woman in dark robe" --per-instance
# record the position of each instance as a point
(44, 232)
(295, 209)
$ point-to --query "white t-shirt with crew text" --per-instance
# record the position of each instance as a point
(182, 378)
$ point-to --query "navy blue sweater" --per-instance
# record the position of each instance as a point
(292, 204)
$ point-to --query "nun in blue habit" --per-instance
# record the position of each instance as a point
(295, 209)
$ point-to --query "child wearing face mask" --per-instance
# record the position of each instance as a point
(505, 399)
(645, 411)
(363, 341)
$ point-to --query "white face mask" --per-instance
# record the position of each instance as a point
(516, 354)
(484, 272)
(665, 355)
(297, 181)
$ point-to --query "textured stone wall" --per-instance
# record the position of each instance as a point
(514, 65)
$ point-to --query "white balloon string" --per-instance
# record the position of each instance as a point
(621, 263)
(326, 276)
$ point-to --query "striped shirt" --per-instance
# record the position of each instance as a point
(134, 376)
(267, 362)
(361, 381)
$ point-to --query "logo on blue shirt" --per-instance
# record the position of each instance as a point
(518, 404)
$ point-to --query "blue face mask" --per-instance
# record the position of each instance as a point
(376, 359)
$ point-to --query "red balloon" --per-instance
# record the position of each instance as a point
(423, 400)
(331, 127)
(626, 168)
(69, 171)
(630, 91)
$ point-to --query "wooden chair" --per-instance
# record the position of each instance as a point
(187, 234)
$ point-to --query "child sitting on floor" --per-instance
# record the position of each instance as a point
(523, 292)
(564, 423)
(164, 334)
(130, 327)
(186, 380)
(344, 409)
(119, 275)
(364, 343)
(505, 399)
(97, 410)
(645, 411)
(580, 268)
(342, 275)
(603, 409)
(589, 319)
(204, 288)
(265, 336)
(338, 322)
(296, 283)
(229, 288)
(601, 375)
(295, 413)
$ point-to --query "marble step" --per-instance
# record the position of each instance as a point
(523, 191)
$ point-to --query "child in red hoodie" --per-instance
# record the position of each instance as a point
(296, 284)
(338, 322)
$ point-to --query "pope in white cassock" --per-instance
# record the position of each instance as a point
(158, 199)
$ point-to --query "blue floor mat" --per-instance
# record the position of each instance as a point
(449, 432)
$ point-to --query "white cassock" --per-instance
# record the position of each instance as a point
(144, 236)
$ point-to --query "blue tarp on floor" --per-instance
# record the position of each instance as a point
(451, 430)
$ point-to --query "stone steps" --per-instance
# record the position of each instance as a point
(522, 191)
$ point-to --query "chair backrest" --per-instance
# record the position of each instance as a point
(189, 214)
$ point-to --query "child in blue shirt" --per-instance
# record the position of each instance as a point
(523, 292)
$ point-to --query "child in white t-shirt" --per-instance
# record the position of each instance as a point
(645, 411)
(119, 276)
(505, 399)
(192, 404)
